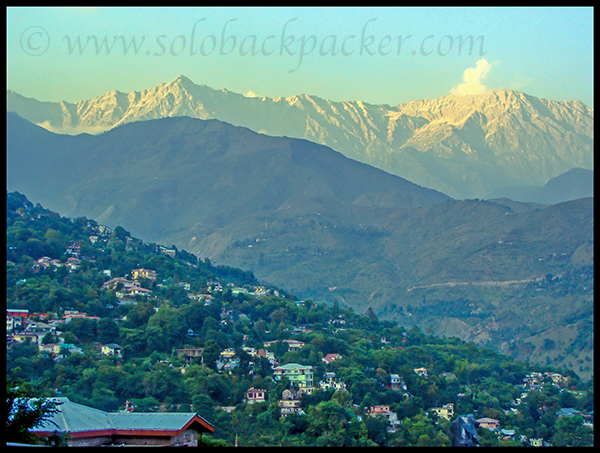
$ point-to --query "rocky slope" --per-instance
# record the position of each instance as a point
(465, 146)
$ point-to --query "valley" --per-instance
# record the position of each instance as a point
(305, 218)
(304, 227)
(106, 321)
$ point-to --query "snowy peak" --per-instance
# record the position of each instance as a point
(183, 80)
(465, 146)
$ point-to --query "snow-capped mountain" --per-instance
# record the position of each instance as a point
(465, 146)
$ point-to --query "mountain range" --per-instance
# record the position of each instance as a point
(316, 223)
(467, 146)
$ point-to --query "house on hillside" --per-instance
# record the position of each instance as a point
(558, 380)
(506, 434)
(385, 411)
(28, 337)
(446, 411)
(298, 375)
(227, 360)
(533, 381)
(293, 345)
(270, 356)
(68, 315)
(133, 291)
(290, 402)
(488, 423)
(44, 262)
(190, 354)
(111, 349)
(331, 381)
(330, 358)
(421, 371)
(119, 282)
(137, 274)
(254, 396)
(59, 349)
(396, 383)
(16, 318)
(73, 264)
(73, 249)
(198, 296)
(125, 287)
(52, 348)
(65, 349)
(89, 427)
(166, 251)
(300, 329)
(17, 312)
(567, 412)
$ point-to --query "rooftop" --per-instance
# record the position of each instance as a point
(79, 419)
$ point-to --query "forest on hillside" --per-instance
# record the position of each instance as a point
(77, 280)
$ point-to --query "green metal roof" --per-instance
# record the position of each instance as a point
(77, 418)
(293, 366)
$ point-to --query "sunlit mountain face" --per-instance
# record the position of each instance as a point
(466, 146)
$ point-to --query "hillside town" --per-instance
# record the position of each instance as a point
(44, 330)
(282, 358)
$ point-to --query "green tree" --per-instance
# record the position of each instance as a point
(140, 314)
(104, 399)
(570, 432)
(108, 331)
(328, 423)
(83, 329)
(25, 411)
(342, 397)
(377, 429)
(210, 354)
(48, 338)
(69, 337)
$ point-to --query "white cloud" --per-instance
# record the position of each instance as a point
(472, 79)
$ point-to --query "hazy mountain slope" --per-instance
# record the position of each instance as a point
(465, 146)
(181, 171)
(576, 183)
(316, 223)
(571, 185)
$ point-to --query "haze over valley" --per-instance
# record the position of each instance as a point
(283, 226)
(321, 225)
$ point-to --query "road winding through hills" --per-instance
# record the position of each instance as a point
(490, 283)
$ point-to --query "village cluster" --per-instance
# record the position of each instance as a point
(21, 327)
(34, 328)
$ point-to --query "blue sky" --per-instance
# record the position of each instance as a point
(377, 55)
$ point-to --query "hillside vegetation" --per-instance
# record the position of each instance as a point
(307, 219)
(60, 270)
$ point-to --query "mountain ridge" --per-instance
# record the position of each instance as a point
(308, 219)
(465, 146)
(170, 153)
(573, 184)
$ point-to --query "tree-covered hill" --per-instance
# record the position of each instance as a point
(118, 319)
(290, 211)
